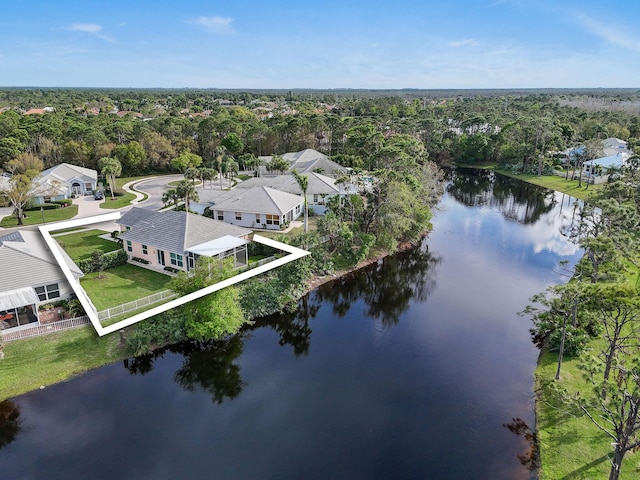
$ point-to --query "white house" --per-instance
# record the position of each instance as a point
(256, 207)
(64, 181)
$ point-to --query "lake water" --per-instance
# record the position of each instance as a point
(411, 369)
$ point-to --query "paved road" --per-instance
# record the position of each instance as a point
(155, 188)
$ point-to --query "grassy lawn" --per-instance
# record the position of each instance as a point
(117, 202)
(29, 364)
(35, 217)
(122, 284)
(559, 184)
(571, 446)
(80, 245)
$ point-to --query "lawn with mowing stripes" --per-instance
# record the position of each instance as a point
(122, 284)
(80, 245)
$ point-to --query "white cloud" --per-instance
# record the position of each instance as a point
(612, 32)
(467, 42)
(216, 24)
(85, 27)
(92, 29)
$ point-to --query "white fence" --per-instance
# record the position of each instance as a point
(135, 305)
(38, 330)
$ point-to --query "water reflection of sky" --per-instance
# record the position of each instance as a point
(539, 244)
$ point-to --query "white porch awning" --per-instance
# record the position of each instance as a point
(217, 246)
(18, 298)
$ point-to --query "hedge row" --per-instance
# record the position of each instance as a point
(110, 259)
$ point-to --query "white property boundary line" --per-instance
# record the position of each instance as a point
(294, 254)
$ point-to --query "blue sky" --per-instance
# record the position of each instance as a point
(328, 44)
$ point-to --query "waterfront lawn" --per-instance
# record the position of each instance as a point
(43, 361)
(553, 182)
(122, 284)
(34, 217)
(80, 245)
(571, 446)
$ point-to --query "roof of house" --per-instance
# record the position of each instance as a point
(608, 162)
(65, 172)
(25, 254)
(317, 184)
(135, 215)
(179, 231)
(309, 160)
(258, 200)
(34, 111)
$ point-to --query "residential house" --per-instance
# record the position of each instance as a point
(307, 161)
(320, 188)
(64, 181)
(177, 239)
(35, 278)
(255, 207)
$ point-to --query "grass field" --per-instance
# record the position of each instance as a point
(43, 361)
(80, 245)
(559, 184)
(571, 446)
(122, 284)
(35, 217)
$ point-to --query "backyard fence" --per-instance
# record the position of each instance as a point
(29, 331)
(135, 305)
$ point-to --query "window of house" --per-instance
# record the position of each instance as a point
(144, 249)
(298, 208)
(258, 219)
(129, 246)
(176, 259)
(221, 216)
(273, 219)
(315, 198)
(48, 292)
(238, 216)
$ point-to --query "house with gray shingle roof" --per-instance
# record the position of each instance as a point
(307, 161)
(64, 181)
(319, 188)
(35, 277)
(177, 239)
(256, 207)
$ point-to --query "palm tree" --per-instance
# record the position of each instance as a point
(187, 191)
(171, 197)
(191, 173)
(303, 182)
(111, 169)
(220, 156)
(278, 164)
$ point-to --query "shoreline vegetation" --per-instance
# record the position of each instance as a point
(41, 362)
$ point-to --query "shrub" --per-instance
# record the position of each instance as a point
(140, 260)
(172, 269)
(110, 259)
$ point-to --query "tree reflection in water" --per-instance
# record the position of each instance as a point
(209, 366)
(9, 422)
(386, 287)
(515, 199)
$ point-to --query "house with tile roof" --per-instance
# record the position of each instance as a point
(177, 239)
(255, 207)
(36, 278)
